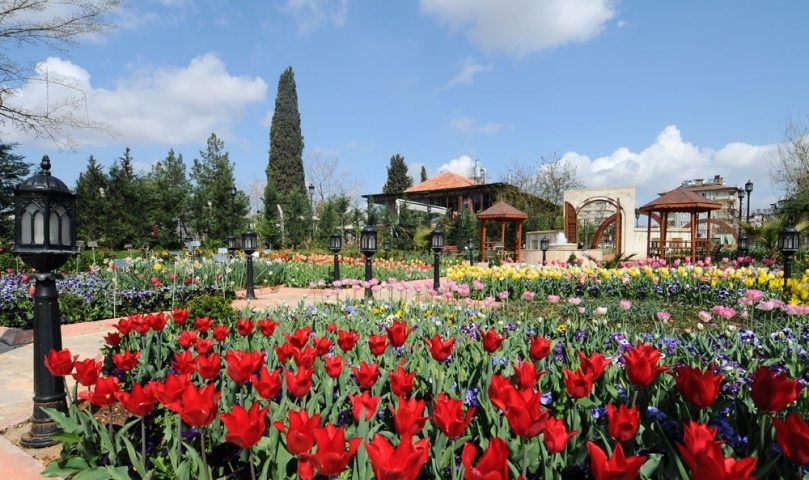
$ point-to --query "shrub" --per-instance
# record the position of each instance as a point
(213, 305)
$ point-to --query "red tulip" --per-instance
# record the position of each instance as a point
(157, 321)
(449, 417)
(500, 389)
(299, 384)
(322, 346)
(346, 340)
(622, 423)
(240, 365)
(641, 364)
(377, 344)
(491, 340)
(87, 371)
(284, 352)
(440, 349)
(711, 464)
(139, 325)
(59, 362)
(696, 437)
(333, 366)
(124, 326)
(527, 375)
(245, 427)
(579, 384)
(267, 383)
(113, 339)
(209, 366)
(104, 392)
(595, 364)
(539, 348)
(198, 407)
(555, 436)
(187, 338)
(397, 333)
(170, 392)
(220, 332)
(267, 326)
(299, 337)
(304, 357)
(525, 416)
(204, 347)
(401, 463)
(184, 363)
(244, 326)
(619, 466)
(407, 418)
(180, 315)
(363, 402)
(792, 436)
(202, 324)
(139, 401)
(299, 437)
(366, 374)
(401, 382)
(772, 393)
(493, 464)
(331, 327)
(331, 456)
(698, 387)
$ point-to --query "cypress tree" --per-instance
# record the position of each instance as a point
(423, 174)
(398, 179)
(13, 170)
(92, 206)
(285, 173)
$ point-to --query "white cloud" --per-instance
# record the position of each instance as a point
(489, 128)
(669, 161)
(163, 106)
(466, 124)
(468, 69)
(309, 14)
(519, 27)
(462, 166)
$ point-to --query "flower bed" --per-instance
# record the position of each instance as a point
(438, 390)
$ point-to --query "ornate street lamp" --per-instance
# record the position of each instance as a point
(386, 247)
(789, 241)
(233, 244)
(368, 248)
(470, 245)
(249, 245)
(543, 245)
(637, 216)
(44, 239)
(748, 187)
(437, 245)
(744, 248)
(740, 194)
(335, 245)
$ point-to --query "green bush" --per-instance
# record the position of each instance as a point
(214, 306)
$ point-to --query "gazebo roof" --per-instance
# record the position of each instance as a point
(680, 199)
(502, 211)
(443, 181)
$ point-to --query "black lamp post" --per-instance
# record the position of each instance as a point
(740, 194)
(44, 239)
(249, 245)
(231, 240)
(748, 187)
(312, 205)
(386, 247)
(744, 248)
(637, 216)
(335, 245)
(543, 245)
(789, 241)
(368, 248)
(470, 245)
(437, 245)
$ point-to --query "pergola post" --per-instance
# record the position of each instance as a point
(694, 227)
(482, 243)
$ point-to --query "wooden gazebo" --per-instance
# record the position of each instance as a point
(502, 213)
(676, 201)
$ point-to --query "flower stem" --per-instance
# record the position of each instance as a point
(252, 467)
(205, 456)
(524, 458)
(143, 440)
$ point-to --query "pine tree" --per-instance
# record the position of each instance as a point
(168, 190)
(126, 204)
(285, 173)
(423, 174)
(398, 179)
(13, 170)
(92, 207)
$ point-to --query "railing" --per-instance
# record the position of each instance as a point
(679, 248)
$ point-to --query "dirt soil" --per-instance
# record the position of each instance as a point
(50, 454)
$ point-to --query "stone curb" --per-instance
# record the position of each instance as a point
(15, 337)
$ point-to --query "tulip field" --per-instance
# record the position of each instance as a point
(451, 387)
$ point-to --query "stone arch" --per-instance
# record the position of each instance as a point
(616, 218)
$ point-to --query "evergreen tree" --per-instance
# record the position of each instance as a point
(398, 179)
(13, 171)
(127, 207)
(92, 208)
(285, 174)
(423, 174)
(212, 214)
(169, 192)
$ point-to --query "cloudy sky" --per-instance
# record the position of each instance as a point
(641, 93)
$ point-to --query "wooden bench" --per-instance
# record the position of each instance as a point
(452, 250)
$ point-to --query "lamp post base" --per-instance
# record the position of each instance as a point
(42, 427)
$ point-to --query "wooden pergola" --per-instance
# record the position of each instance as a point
(679, 200)
(502, 213)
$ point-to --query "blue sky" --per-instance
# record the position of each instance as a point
(642, 93)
